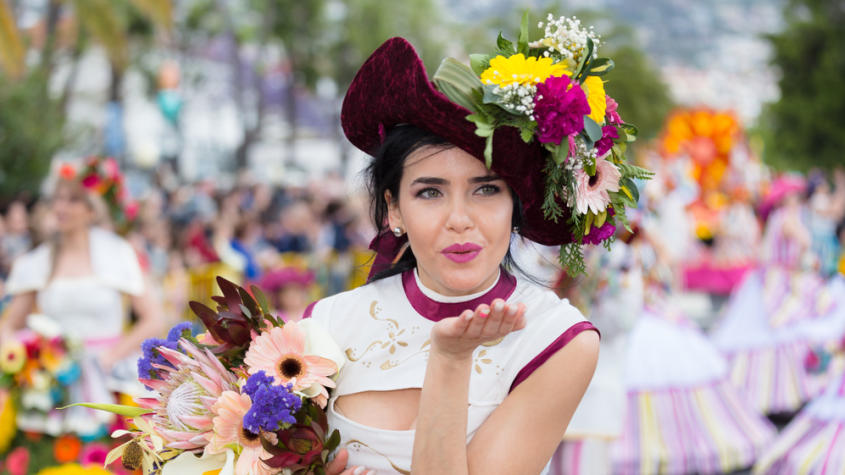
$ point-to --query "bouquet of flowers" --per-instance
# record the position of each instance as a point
(246, 397)
(36, 368)
(551, 90)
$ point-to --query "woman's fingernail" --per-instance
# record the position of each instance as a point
(499, 306)
(484, 312)
(511, 311)
(358, 471)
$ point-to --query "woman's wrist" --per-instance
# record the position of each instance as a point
(450, 358)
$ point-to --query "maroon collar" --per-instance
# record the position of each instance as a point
(436, 311)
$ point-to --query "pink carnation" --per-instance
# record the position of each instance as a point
(608, 133)
(559, 108)
(610, 113)
(597, 235)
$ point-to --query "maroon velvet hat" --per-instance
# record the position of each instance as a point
(392, 88)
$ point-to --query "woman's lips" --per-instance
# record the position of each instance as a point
(461, 253)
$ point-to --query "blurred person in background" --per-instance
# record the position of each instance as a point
(288, 290)
(79, 278)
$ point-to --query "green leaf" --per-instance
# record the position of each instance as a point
(632, 188)
(572, 259)
(560, 152)
(527, 134)
(462, 86)
(261, 298)
(505, 46)
(488, 151)
(490, 95)
(601, 66)
(483, 127)
(479, 63)
(334, 441)
(585, 61)
(592, 129)
(633, 171)
(522, 42)
(630, 131)
(127, 411)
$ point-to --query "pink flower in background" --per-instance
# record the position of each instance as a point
(610, 113)
(608, 133)
(559, 108)
(93, 454)
(91, 181)
(573, 147)
(591, 192)
(17, 462)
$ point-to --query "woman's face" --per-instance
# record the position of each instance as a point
(458, 216)
(71, 209)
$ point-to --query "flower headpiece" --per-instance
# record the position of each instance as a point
(552, 92)
(102, 176)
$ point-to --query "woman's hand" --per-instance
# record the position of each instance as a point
(458, 337)
(338, 466)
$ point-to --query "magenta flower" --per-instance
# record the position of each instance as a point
(559, 108)
(608, 133)
(610, 113)
(94, 454)
(597, 235)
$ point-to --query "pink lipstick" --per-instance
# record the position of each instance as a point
(461, 253)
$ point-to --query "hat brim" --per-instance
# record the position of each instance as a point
(392, 88)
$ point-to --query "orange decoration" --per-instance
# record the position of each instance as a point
(66, 449)
(67, 172)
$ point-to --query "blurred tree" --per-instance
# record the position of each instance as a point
(802, 129)
(31, 118)
(31, 131)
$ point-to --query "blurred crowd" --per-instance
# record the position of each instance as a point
(297, 243)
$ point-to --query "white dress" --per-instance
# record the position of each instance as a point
(383, 329)
(89, 310)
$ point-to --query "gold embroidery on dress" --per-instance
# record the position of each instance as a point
(392, 342)
(393, 465)
(494, 342)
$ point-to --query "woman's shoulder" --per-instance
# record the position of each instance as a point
(323, 309)
(115, 262)
(544, 305)
(30, 271)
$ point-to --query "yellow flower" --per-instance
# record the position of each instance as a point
(596, 98)
(517, 69)
(8, 426)
(74, 469)
(12, 357)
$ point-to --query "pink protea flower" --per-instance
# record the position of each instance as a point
(186, 393)
(591, 192)
(280, 353)
(229, 430)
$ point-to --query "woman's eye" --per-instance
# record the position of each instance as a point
(428, 193)
(488, 190)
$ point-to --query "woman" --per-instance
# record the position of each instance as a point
(454, 365)
(79, 278)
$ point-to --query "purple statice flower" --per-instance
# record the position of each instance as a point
(559, 109)
(151, 356)
(257, 381)
(178, 331)
(273, 406)
(608, 133)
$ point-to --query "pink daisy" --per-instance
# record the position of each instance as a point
(591, 192)
(229, 430)
(279, 352)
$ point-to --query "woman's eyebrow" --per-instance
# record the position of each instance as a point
(430, 180)
(484, 179)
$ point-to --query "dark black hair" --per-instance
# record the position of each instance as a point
(385, 173)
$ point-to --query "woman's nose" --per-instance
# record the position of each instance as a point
(459, 219)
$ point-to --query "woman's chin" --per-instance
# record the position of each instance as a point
(464, 281)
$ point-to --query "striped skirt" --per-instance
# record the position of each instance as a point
(707, 429)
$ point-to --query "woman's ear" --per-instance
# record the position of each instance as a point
(394, 217)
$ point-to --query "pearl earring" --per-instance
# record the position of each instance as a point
(397, 231)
